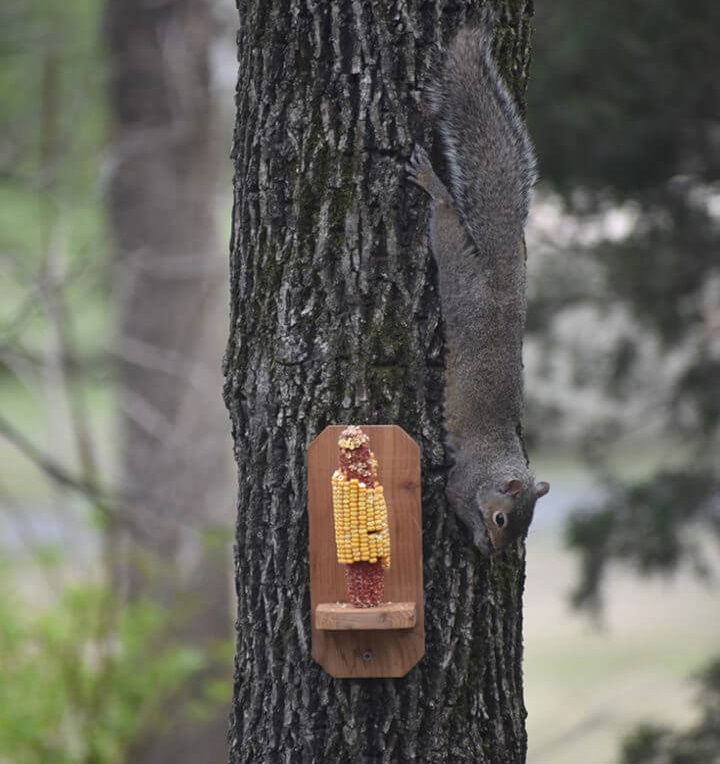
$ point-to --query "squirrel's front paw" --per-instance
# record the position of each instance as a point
(475, 525)
(421, 173)
(468, 513)
(419, 169)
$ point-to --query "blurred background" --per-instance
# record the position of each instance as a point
(116, 493)
(623, 384)
(117, 486)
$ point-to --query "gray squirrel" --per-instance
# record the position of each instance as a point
(476, 233)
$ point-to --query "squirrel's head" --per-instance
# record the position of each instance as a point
(507, 509)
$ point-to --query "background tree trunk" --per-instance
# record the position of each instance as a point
(335, 318)
(170, 282)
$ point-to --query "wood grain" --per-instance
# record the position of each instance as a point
(344, 617)
(382, 652)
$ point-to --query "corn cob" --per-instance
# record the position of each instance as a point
(362, 534)
(361, 522)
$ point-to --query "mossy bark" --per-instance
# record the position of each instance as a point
(335, 318)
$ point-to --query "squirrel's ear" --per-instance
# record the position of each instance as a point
(513, 486)
(541, 488)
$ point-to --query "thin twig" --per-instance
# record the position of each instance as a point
(51, 468)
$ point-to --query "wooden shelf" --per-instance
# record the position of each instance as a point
(344, 617)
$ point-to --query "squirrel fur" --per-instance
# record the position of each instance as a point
(476, 234)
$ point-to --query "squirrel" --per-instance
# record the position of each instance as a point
(476, 235)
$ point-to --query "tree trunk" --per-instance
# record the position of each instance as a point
(335, 318)
(170, 282)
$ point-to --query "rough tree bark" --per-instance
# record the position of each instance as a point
(170, 284)
(335, 318)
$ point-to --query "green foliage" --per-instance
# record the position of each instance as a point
(53, 125)
(644, 744)
(662, 267)
(622, 97)
(84, 678)
(652, 744)
(51, 86)
(649, 525)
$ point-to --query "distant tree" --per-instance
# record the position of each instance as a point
(648, 113)
(169, 281)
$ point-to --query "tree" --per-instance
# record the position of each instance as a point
(335, 318)
(169, 282)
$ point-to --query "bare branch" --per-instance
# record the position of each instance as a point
(55, 471)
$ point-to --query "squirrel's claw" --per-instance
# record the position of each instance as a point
(418, 163)
(420, 172)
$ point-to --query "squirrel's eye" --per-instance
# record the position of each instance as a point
(499, 519)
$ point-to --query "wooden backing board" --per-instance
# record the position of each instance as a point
(367, 653)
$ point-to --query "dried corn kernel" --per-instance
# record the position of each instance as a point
(361, 522)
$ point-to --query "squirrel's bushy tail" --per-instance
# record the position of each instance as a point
(490, 158)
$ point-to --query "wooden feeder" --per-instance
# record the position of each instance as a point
(365, 642)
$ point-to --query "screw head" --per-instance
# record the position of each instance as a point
(367, 656)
